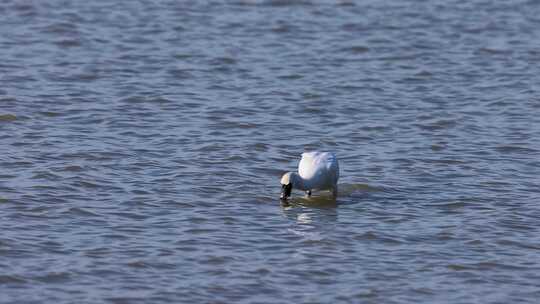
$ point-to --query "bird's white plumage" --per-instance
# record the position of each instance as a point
(319, 171)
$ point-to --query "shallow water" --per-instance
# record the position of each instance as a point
(143, 141)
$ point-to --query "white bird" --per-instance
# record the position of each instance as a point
(316, 171)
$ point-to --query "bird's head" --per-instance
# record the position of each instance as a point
(286, 185)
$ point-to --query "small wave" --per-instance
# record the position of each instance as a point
(11, 279)
(54, 277)
(506, 149)
(138, 264)
(359, 49)
(372, 236)
(438, 125)
(348, 189)
(284, 3)
(483, 266)
(72, 168)
(81, 212)
(7, 117)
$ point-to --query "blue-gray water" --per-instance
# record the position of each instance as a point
(142, 144)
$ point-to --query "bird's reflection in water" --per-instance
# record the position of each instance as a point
(319, 213)
(319, 202)
(312, 217)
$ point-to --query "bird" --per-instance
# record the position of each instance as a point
(316, 171)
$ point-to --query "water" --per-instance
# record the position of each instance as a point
(142, 144)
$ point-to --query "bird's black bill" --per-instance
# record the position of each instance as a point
(286, 191)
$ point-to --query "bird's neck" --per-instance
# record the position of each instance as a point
(298, 182)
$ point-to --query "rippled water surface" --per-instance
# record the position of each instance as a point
(142, 144)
